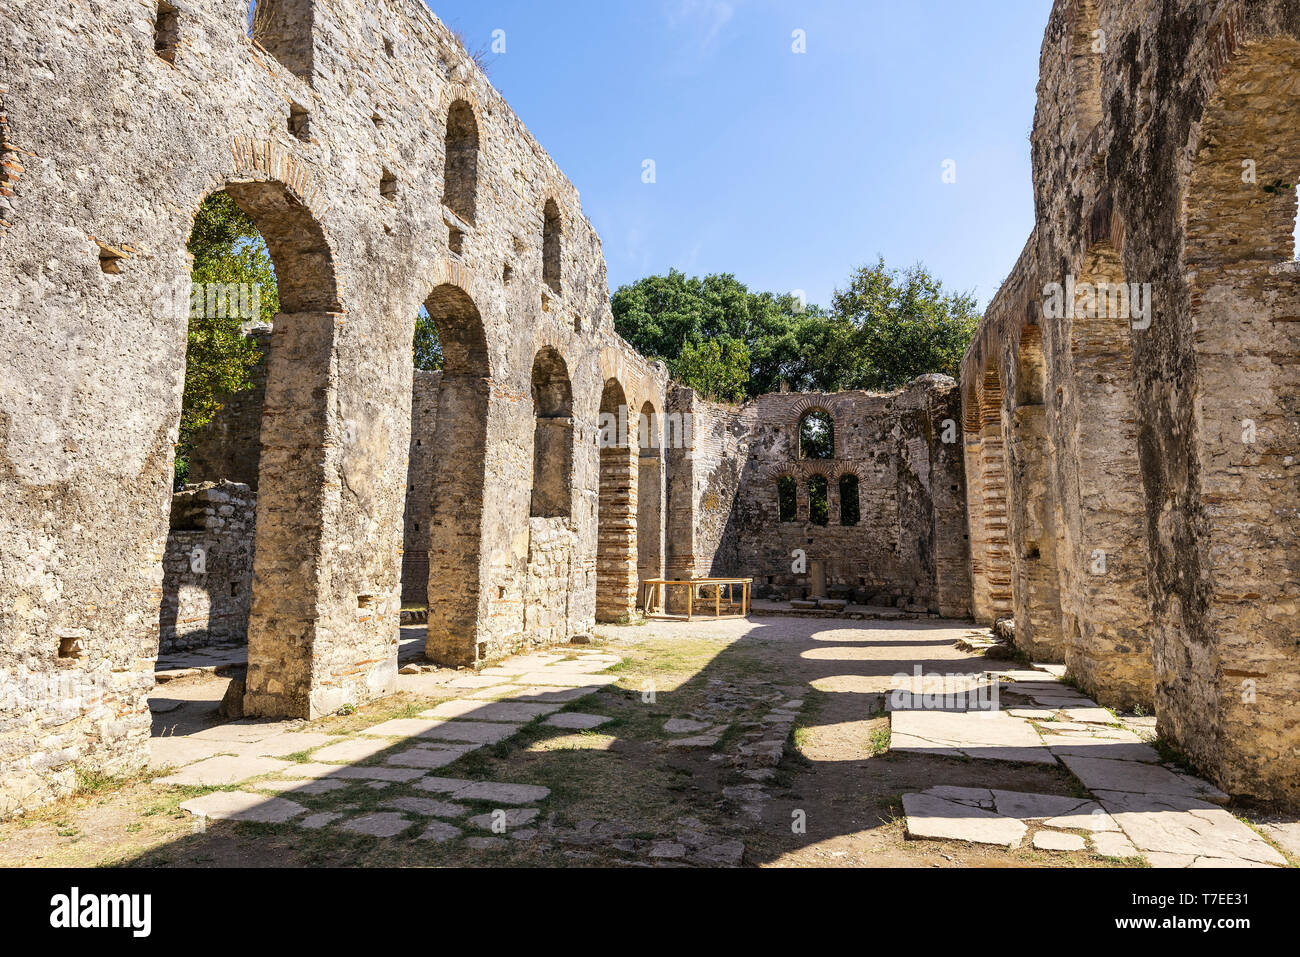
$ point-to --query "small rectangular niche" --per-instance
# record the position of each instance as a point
(167, 32)
(300, 122)
(365, 601)
(388, 186)
(456, 241)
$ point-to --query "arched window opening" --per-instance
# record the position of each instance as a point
(552, 246)
(552, 437)
(850, 506)
(616, 542)
(460, 176)
(817, 436)
(787, 497)
(819, 504)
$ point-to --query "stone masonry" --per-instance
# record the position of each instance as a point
(1132, 436)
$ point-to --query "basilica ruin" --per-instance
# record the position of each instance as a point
(1114, 477)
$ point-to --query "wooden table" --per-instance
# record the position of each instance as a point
(654, 594)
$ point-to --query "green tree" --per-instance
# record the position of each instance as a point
(428, 347)
(718, 368)
(233, 284)
(901, 324)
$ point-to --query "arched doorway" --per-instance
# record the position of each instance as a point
(296, 427)
(456, 479)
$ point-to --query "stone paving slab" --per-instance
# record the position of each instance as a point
(1103, 774)
(352, 750)
(1107, 748)
(287, 743)
(427, 807)
(401, 728)
(550, 678)
(1056, 841)
(429, 759)
(250, 731)
(476, 681)
(1113, 844)
(440, 832)
(243, 806)
(576, 720)
(502, 793)
(512, 817)
(175, 752)
(319, 786)
(379, 824)
(223, 770)
(933, 818)
(307, 772)
(976, 734)
(470, 732)
(1036, 807)
(510, 711)
(1185, 827)
(317, 821)
(537, 693)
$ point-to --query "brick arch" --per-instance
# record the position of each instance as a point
(1236, 576)
(616, 524)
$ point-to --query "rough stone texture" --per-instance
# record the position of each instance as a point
(208, 567)
(353, 212)
(1162, 156)
(909, 543)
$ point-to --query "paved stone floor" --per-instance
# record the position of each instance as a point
(771, 742)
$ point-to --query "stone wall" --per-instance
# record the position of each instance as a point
(908, 545)
(1157, 446)
(208, 567)
(330, 129)
(419, 484)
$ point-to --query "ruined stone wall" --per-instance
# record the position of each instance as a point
(909, 543)
(419, 487)
(330, 131)
(1165, 159)
(208, 567)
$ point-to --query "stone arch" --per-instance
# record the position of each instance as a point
(552, 392)
(1105, 610)
(815, 425)
(650, 493)
(461, 160)
(457, 479)
(1240, 605)
(616, 545)
(1032, 504)
(298, 427)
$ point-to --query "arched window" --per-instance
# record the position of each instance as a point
(787, 497)
(850, 507)
(460, 176)
(819, 503)
(817, 436)
(552, 246)
(552, 437)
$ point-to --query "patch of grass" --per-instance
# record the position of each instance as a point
(880, 739)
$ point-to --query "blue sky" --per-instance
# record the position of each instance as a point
(788, 170)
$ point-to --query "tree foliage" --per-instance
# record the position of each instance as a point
(885, 329)
(233, 284)
(427, 346)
